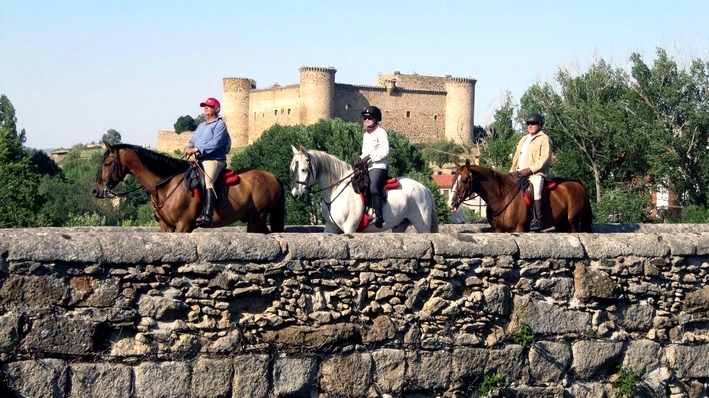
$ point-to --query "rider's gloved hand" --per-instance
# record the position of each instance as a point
(524, 172)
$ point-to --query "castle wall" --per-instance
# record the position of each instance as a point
(423, 108)
(460, 103)
(418, 114)
(123, 312)
(235, 108)
(276, 105)
(317, 92)
(169, 141)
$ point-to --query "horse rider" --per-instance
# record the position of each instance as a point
(209, 144)
(531, 160)
(375, 150)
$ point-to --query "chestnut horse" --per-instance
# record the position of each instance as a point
(566, 206)
(257, 194)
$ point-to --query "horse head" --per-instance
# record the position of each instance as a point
(303, 171)
(462, 187)
(109, 174)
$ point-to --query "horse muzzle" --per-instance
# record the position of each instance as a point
(99, 192)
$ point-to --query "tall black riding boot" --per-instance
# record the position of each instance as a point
(377, 204)
(205, 220)
(536, 224)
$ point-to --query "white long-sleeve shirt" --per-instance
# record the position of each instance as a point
(376, 145)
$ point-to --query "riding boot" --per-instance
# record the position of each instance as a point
(377, 204)
(536, 224)
(205, 220)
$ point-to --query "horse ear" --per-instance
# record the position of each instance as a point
(107, 145)
(455, 162)
(295, 151)
(467, 162)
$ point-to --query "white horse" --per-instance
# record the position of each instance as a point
(342, 207)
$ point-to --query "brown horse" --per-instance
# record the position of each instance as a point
(257, 194)
(566, 206)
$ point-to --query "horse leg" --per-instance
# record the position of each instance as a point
(257, 223)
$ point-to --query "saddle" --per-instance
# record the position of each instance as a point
(194, 180)
(528, 190)
(361, 185)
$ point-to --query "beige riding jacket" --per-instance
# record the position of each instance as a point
(537, 157)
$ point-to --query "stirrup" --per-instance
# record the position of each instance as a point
(204, 222)
(535, 225)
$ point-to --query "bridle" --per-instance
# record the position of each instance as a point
(469, 195)
(311, 174)
(116, 171)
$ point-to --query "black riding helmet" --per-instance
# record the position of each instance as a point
(374, 112)
(535, 118)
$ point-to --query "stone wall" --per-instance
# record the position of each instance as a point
(131, 312)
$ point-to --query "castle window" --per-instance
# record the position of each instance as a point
(435, 117)
(289, 111)
(408, 113)
(275, 112)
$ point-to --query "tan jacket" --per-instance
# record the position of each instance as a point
(538, 155)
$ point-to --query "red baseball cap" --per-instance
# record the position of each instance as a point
(210, 102)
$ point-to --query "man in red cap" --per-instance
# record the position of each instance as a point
(209, 144)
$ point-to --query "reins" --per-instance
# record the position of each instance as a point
(512, 197)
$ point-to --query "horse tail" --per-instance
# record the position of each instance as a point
(278, 213)
(587, 216)
(434, 214)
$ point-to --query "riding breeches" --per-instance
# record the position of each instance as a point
(377, 178)
(537, 182)
(212, 168)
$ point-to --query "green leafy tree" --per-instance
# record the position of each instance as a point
(672, 105)
(43, 163)
(112, 137)
(442, 151)
(19, 178)
(501, 138)
(185, 123)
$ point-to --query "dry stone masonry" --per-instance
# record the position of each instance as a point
(131, 312)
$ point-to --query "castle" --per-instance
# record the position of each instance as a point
(423, 108)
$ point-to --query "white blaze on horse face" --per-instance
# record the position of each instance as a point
(299, 169)
(451, 194)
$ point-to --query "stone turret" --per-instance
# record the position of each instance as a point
(460, 104)
(317, 93)
(235, 108)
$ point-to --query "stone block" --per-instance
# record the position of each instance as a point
(389, 369)
(347, 375)
(294, 375)
(251, 376)
(109, 380)
(548, 361)
(595, 358)
(162, 379)
(211, 378)
(36, 378)
(428, 370)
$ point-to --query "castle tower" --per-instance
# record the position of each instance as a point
(460, 105)
(317, 94)
(235, 108)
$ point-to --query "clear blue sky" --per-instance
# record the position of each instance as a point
(75, 69)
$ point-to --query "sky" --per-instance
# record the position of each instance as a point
(74, 69)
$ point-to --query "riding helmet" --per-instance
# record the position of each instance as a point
(374, 112)
(535, 118)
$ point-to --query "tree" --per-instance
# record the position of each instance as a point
(19, 178)
(112, 137)
(501, 137)
(185, 123)
(671, 104)
(442, 151)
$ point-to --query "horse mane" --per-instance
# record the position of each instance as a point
(324, 162)
(161, 165)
